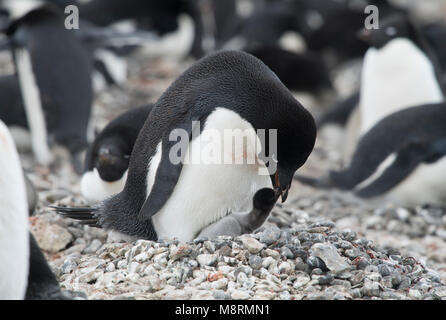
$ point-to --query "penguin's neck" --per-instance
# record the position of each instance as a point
(397, 76)
(14, 233)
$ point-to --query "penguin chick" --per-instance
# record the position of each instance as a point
(238, 223)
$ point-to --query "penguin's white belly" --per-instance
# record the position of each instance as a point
(94, 189)
(395, 77)
(14, 232)
(206, 192)
(425, 185)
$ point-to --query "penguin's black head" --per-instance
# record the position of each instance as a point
(392, 27)
(256, 93)
(111, 158)
(295, 141)
(265, 199)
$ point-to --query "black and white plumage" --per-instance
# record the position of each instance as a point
(54, 72)
(402, 158)
(264, 26)
(176, 22)
(24, 272)
(227, 90)
(399, 71)
(107, 158)
(323, 22)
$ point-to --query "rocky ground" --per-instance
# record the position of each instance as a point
(318, 245)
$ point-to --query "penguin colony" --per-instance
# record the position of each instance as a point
(247, 64)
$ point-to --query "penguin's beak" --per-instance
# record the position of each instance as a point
(281, 191)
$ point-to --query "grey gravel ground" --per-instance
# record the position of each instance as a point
(320, 244)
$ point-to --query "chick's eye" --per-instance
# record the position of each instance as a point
(391, 31)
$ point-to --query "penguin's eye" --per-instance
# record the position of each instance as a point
(391, 31)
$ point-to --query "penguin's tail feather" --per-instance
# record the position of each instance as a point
(85, 215)
(324, 182)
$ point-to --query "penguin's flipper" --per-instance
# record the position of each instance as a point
(323, 182)
(85, 215)
(405, 163)
(167, 174)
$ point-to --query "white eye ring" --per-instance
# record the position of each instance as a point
(391, 31)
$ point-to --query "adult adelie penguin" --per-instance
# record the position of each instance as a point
(54, 72)
(24, 272)
(399, 71)
(166, 198)
(402, 158)
(107, 158)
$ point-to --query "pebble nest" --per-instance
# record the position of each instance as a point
(319, 244)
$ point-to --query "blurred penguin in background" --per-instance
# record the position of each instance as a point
(177, 24)
(54, 75)
(401, 159)
(107, 158)
(399, 71)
